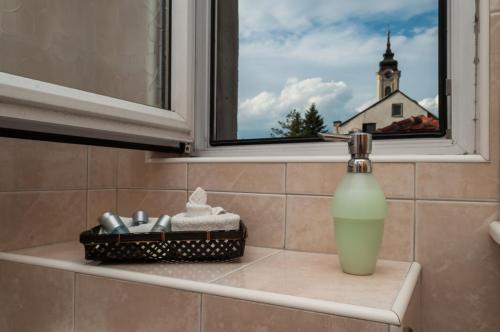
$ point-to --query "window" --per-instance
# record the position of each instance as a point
(369, 127)
(94, 71)
(316, 67)
(397, 110)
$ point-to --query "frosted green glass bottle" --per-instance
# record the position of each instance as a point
(358, 208)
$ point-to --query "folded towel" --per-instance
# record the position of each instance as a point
(200, 216)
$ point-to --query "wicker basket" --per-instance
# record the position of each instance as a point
(178, 246)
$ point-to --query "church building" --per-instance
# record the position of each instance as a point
(392, 104)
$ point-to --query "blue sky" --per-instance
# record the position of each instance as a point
(294, 52)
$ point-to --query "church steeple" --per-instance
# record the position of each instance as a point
(388, 74)
(388, 61)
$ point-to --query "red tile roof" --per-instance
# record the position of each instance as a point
(411, 125)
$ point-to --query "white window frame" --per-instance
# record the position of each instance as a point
(469, 128)
(34, 105)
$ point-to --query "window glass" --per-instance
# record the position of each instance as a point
(113, 48)
(290, 68)
(397, 110)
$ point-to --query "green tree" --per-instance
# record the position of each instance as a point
(296, 126)
(291, 127)
(313, 122)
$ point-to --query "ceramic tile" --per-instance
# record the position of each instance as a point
(135, 172)
(309, 227)
(224, 314)
(319, 276)
(197, 271)
(155, 202)
(413, 317)
(323, 178)
(251, 178)
(37, 165)
(25, 292)
(98, 202)
(264, 215)
(103, 304)
(458, 181)
(495, 5)
(102, 167)
(36, 218)
(461, 266)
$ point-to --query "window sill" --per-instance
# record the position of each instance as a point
(409, 150)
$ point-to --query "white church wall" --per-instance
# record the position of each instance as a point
(381, 114)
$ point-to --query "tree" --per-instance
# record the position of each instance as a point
(291, 127)
(313, 122)
(296, 126)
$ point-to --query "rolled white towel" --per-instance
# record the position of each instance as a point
(200, 216)
(219, 222)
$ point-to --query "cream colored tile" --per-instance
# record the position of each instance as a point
(135, 172)
(397, 180)
(264, 215)
(36, 218)
(102, 167)
(309, 227)
(34, 298)
(495, 5)
(103, 304)
(461, 266)
(98, 202)
(314, 178)
(224, 314)
(397, 243)
(155, 202)
(413, 316)
(252, 178)
(319, 276)
(37, 165)
(458, 181)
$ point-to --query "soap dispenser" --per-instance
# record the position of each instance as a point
(358, 208)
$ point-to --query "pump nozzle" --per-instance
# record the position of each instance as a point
(360, 147)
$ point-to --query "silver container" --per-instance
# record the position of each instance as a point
(140, 217)
(112, 223)
(162, 225)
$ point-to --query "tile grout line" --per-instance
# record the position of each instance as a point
(201, 312)
(414, 211)
(278, 251)
(74, 301)
(286, 207)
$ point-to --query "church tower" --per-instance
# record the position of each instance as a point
(388, 74)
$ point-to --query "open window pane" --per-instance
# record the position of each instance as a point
(285, 70)
(112, 48)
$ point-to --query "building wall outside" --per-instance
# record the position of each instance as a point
(381, 114)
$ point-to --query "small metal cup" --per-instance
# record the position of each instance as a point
(112, 223)
(162, 225)
(140, 217)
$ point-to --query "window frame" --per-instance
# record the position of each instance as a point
(39, 110)
(463, 141)
(400, 109)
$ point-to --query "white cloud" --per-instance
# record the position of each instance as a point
(366, 104)
(431, 104)
(262, 112)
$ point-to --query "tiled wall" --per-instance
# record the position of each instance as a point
(438, 212)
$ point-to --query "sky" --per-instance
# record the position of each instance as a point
(293, 53)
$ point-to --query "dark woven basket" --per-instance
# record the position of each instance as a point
(178, 246)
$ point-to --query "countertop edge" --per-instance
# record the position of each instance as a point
(321, 306)
(405, 293)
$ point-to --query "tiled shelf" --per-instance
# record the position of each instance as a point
(300, 280)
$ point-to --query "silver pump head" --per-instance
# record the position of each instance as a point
(360, 147)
